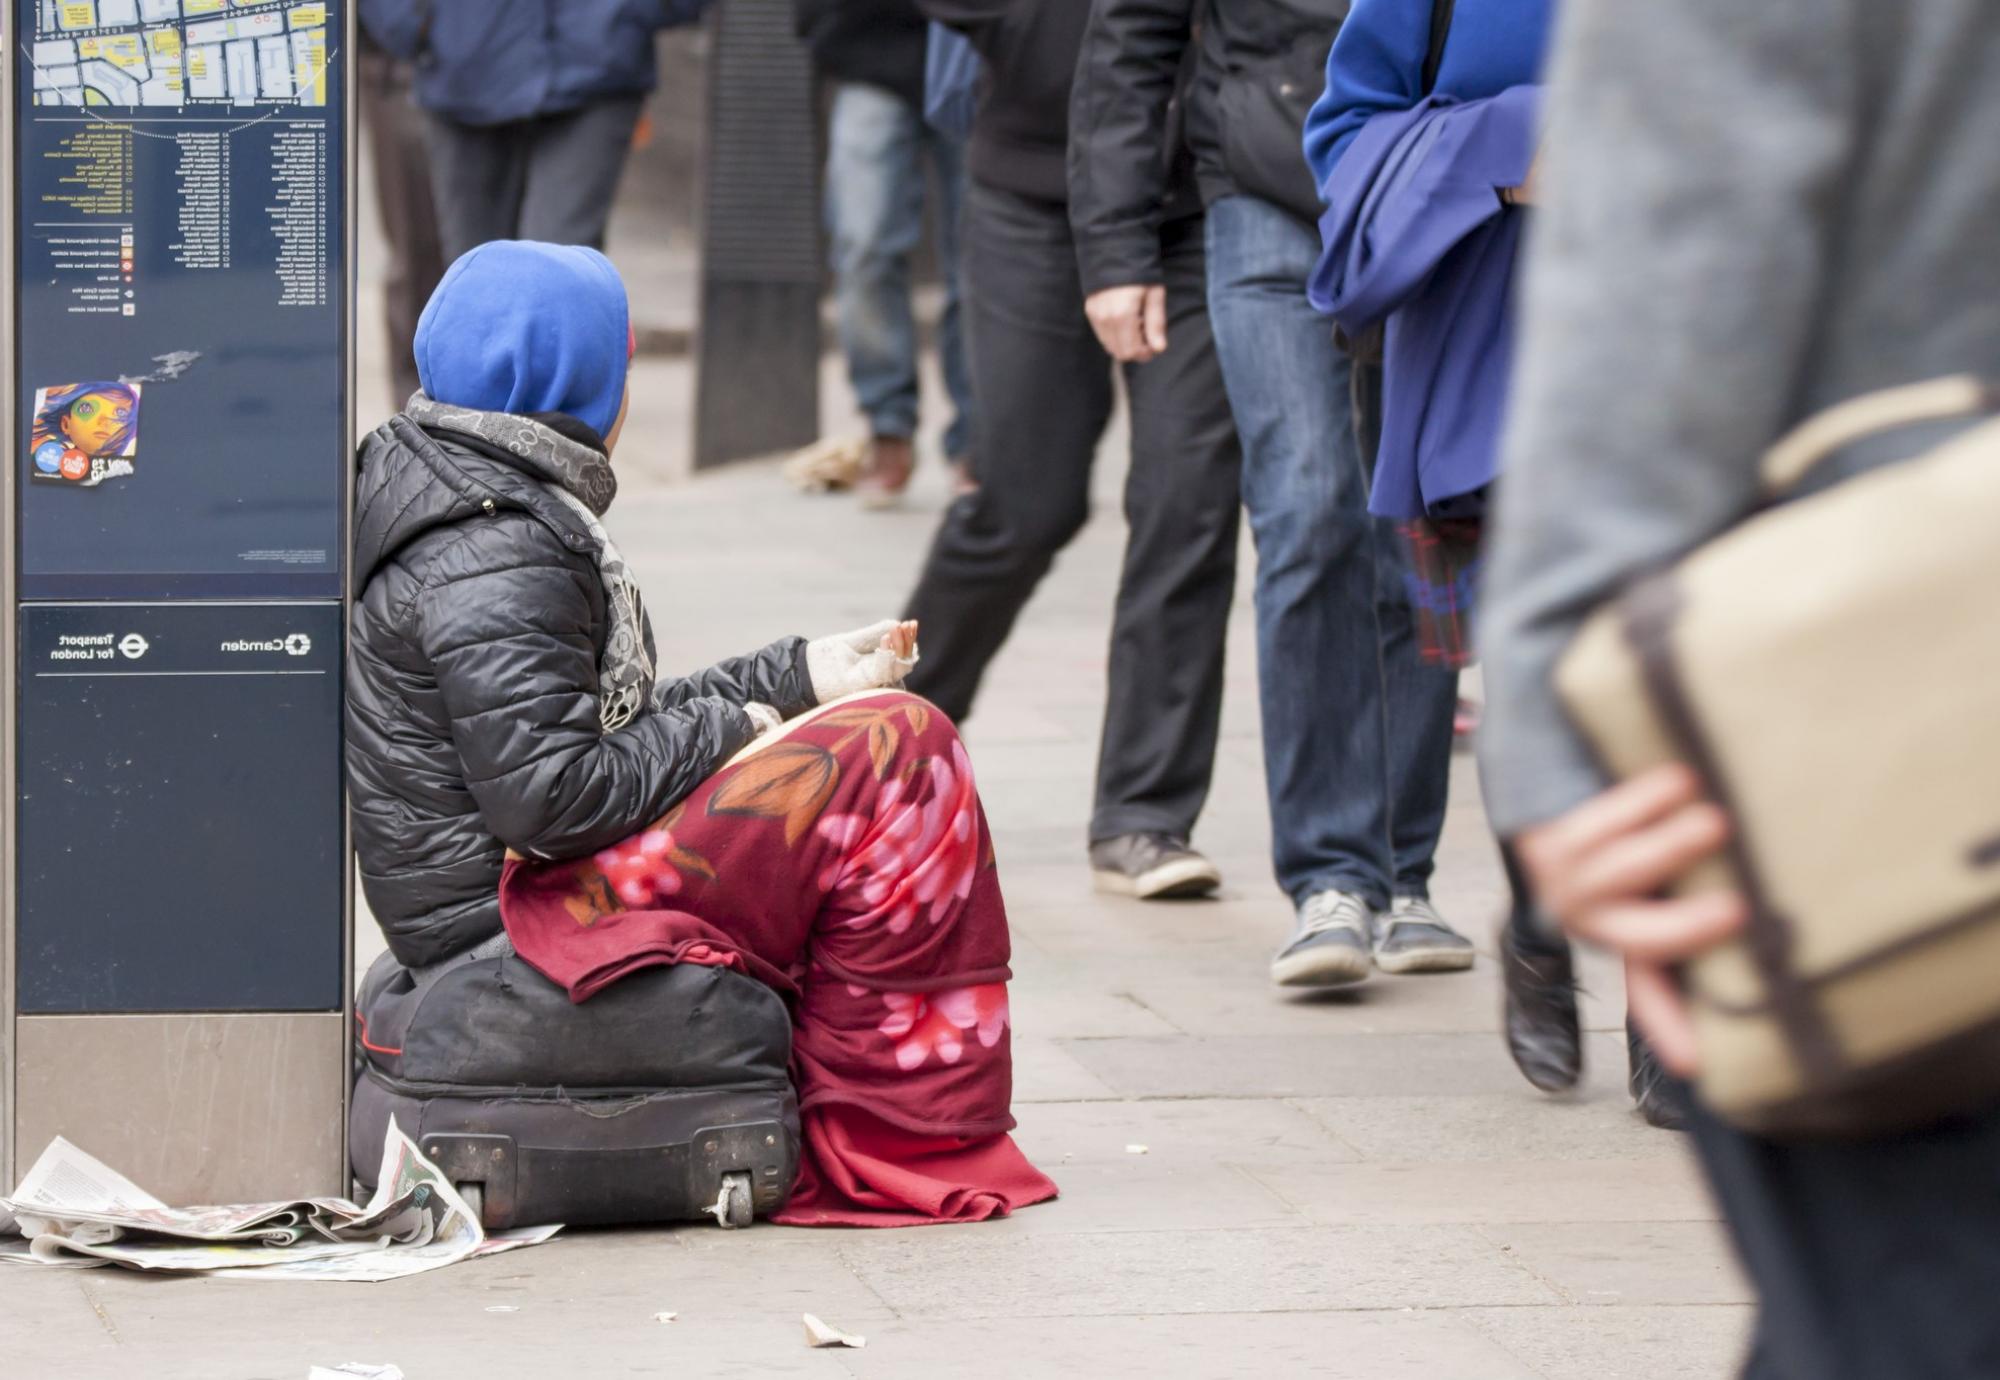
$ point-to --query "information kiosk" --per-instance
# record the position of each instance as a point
(174, 956)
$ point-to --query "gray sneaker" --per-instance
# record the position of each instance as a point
(1152, 867)
(1413, 938)
(1330, 946)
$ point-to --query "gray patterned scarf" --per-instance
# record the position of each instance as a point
(581, 479)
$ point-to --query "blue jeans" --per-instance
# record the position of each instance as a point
(875, 217)
(1357, 730)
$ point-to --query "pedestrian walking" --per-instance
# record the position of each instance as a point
(880, 150)
(517, 762)
(1357, 731)
(402, 177)
(1043, 395)
(1423, 143)
(530, 107)
(1749, 214)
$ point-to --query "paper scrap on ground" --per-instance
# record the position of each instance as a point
(823, 1334)
(77, 1212)
(665, 1317)
(355, 1370)
(1135, 1149)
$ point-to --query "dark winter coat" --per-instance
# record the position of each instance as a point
(1029, 50)
(1244, 74)
(472, 709)
(877, 42)
(491, 62)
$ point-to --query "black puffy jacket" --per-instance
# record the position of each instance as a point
(472, 711)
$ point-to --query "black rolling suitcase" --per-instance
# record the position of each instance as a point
(666, 1097)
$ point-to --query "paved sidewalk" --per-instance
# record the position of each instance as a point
(1357, 1186)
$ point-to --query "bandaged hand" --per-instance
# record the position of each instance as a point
(872, 658)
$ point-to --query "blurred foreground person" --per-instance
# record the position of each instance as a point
(530, 104)
(1752, 213)
(516, 761)
(1043, 388)
(878, 152)
(1357, 733)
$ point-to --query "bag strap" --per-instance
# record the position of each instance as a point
(1441, 11)
(1795, 454)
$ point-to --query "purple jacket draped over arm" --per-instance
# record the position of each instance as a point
(1416, 237)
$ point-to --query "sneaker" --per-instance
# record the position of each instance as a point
(887, 472)
(1330, 946)
(1414, 938)
(1152, 867)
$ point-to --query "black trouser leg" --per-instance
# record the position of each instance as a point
(1183, 500)
(478, 175)
(1042, 396)
(395, 132)
(1872, 1260)
(574, 163)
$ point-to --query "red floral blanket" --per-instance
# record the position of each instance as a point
(848, 864)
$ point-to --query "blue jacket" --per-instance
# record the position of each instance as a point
(490, 62)
(1417, 237)
(1377, 63)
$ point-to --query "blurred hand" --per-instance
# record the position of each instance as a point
(1600, 871)
(871, 658)
(767, 719)
(1528, 192)
(1131, 322)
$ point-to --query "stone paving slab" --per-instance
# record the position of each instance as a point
(1698, 1342)
(1327, 1346)
(1253, 1270)
(1627, 1262)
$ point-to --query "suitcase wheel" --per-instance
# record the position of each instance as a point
(475, 1198)
(731, 1207)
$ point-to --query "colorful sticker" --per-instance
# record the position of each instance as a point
(85, 433)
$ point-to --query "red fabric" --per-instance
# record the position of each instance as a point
(849, 866)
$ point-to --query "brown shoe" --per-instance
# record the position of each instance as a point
(887, 472)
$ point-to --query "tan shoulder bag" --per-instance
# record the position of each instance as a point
(1831, 667)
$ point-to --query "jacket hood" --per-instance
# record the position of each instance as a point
(414, 480)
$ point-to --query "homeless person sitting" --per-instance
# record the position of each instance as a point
(515, 761)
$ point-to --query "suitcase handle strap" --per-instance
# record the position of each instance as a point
(1793, 457)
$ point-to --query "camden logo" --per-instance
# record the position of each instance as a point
(297, 644)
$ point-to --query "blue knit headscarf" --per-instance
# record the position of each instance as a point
(519, 326)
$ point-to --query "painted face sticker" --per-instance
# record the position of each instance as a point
(85, 433)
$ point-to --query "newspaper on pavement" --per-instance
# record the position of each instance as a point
(78, 1212)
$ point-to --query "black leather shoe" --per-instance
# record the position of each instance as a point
(1657, 1096)
(1543, 1033)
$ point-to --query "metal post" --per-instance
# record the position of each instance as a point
(171, 644)
(757, 379)
(9, 270)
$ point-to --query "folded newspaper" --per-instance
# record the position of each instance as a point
(77, 1213)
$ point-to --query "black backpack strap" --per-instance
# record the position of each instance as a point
(1440, 31)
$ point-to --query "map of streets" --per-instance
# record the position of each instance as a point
(179, 52)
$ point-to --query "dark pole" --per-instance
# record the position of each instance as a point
(758, 352)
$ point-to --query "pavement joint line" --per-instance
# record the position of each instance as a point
(1514, 1258)
(97, 1307)
(1150, 1010)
